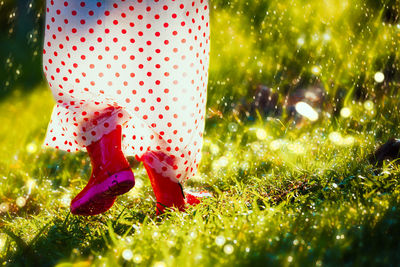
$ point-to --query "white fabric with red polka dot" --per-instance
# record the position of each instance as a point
(139, 64)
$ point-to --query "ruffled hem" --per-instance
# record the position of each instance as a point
(138, 139)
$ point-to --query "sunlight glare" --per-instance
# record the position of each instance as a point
(307, 111)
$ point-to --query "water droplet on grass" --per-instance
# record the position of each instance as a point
(232, 127)
(220, 240)
(4, 207)
(228, 249)
(31, 148)
(345, 112)
(316, 70)
(379, 77)
(137, 258)
(127, 254)
(369, 105)
(21, 201)
(261, 134)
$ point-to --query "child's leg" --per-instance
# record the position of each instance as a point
(111, 176)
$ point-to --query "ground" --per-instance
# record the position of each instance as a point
(289, 189)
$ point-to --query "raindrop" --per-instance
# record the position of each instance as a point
(300, 41)
(31, 148)
(214, 149)
(137, 258)
(193, 235)
(127, 254)
(220, 240)
(228, 249)
(316, 70)
(232, 127)
(21, 201)
(327, 37)
(345, 112)
(156, 235)
(4, 207)
(369, 105)
(379, 77)
(261, 134)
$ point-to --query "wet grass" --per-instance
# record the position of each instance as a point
(283, 195)
(287, 191)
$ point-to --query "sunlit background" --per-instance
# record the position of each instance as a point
(300, 94)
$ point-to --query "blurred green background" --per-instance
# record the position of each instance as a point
(300, 94)
(336, 45)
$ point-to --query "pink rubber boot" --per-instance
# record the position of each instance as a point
(111, 176)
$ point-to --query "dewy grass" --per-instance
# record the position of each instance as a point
(287, 191)
(309, 202)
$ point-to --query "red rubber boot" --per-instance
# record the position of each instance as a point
(169, 194)
(111, 176)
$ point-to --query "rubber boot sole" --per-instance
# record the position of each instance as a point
(100, 197)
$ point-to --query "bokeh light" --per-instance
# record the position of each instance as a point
(307, 111)
(379, 77)
(345, 112)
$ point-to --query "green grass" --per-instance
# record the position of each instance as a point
(287, 191)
